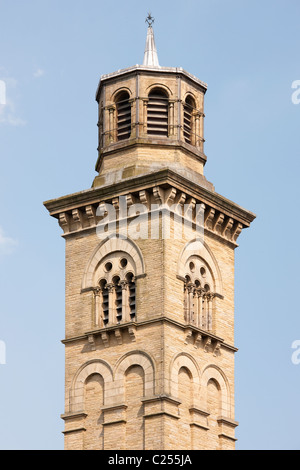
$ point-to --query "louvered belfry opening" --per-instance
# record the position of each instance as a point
(123, 116)
(188, 130)
(131, 285)
(105, 301)
(118, 298)
(157, 113)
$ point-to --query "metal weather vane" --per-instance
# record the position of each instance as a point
(149, 19)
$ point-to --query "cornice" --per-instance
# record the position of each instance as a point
(222, 218)
(138, 69)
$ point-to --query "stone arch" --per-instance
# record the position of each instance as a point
(188, 362)
(202, 250)
(213, 372)
(193, 96)
(158, 85)
(132, 358)
(110, 245)
(96, 366)
(120, 90)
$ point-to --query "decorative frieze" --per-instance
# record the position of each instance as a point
(149, 201)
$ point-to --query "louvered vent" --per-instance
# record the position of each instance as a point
(131, 290)
(157, 114)
(118, 299)
(123, 117)
(105, 306)
(188, 120)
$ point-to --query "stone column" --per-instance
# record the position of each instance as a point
(190, 316)
(98, 316)
(186, 303)
(197, 137)
(144, 123)
(111, 310)
(202, 132)
(133, 131)
(199, 303)
(210, 297)
(111, 128)
(205, 312)
(171, 119)
(125, 301)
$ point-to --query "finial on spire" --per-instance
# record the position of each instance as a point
(150, 20)
(150, 56)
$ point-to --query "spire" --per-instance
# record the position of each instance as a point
(150, 56)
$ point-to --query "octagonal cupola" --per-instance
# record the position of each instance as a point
(150, 117)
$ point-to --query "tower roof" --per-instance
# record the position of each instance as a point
(150, 55)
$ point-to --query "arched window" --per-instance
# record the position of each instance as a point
(134, 393)
(214, 408)
(123, 116)
(116, 289)
(188, 120)
(93, 402)
(198, 294)
(185, 396)
(157, 113)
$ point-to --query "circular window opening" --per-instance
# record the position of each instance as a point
(192, 266)
(108, 266)
(123, 263)
(206, 288)
(202, 271)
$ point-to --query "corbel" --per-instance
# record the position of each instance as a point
(189, 208)
(145, 198)
(217, 348)
(218, 221)
(158, 194)
(170, 196)
(237, 228)
(91, 214)
(189, 335)
(105, 338)
(91, 340)
(101, 209)
(207, 344)
(118, 336)
(130, 200)
(132, 333)
(78, 217)
(64, 221)
(227, 226)
(198, 339)
(208, 217)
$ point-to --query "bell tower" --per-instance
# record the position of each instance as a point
(149, 321)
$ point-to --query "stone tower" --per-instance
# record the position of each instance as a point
(149, 332)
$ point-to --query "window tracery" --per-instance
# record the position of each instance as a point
(116, 291)
(198, 294)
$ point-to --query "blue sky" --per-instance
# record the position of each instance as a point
(52, 54)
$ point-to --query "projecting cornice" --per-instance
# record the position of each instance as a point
(222, 217)
(146, 69)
